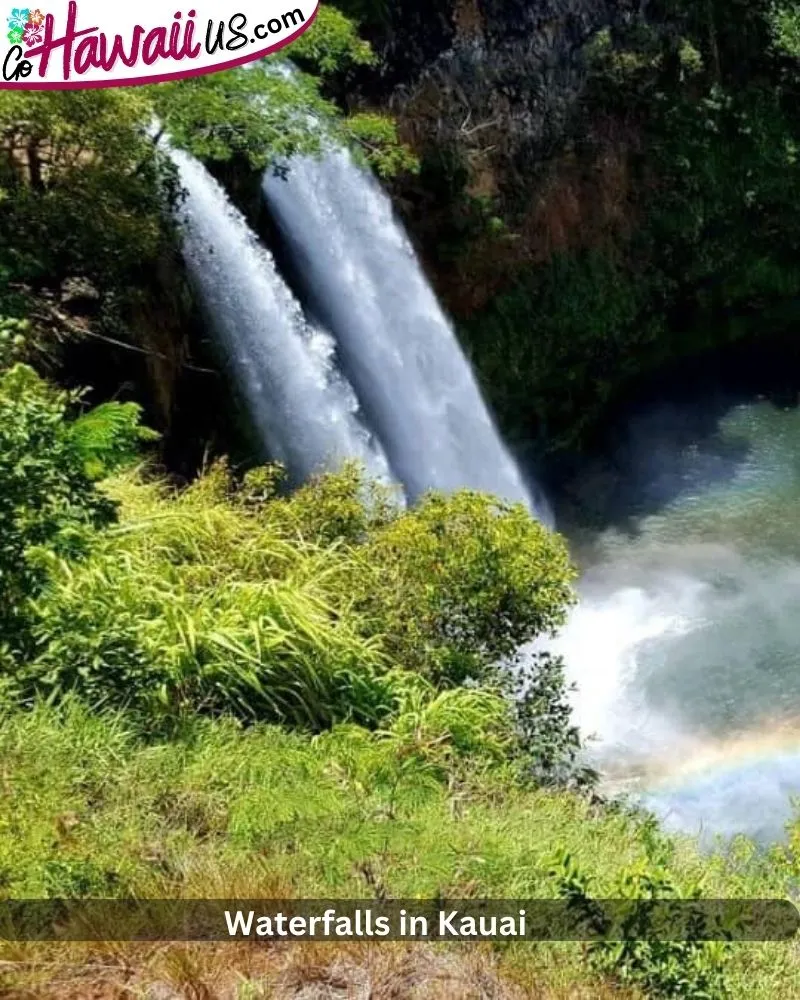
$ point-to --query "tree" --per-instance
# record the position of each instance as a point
(83, 188)
(460, 582)
(268, 111)
(48, 499)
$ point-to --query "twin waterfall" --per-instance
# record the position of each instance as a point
(363, 280)
(304, 412)
(343, 352)
(358, 361)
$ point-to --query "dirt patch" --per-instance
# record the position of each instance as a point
(306, 971)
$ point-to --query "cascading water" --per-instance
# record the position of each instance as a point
(686, 644)
(399, 350)
(305, 412)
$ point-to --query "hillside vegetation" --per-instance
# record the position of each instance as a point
(213, 686)
(225, 689)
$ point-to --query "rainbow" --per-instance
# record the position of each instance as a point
(706, 758)
(744, 784)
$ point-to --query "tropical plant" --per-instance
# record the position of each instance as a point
(48, 503)
(459, 583)
(190, 605)
(648, 932)
(232, 598)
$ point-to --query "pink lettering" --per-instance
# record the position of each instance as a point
(67, 40)
(155, 46)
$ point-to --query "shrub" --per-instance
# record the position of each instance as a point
(461, 582)
(327, 510)
(209, 600)
(547, 740)
(683, 969)
(163, 626)
(47, 500)
(331, 605)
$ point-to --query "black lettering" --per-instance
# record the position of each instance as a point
(220, 42)
(293, 17)
(239, 37)
(275, 26)
(260, 31)
(21, 70)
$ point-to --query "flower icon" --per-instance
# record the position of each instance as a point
(15, 36)
(18, 18)
(33, 34)
(36, 17)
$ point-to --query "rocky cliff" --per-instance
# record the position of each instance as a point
(497, 79)
(486, 92)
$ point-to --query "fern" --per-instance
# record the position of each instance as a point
(109, 436)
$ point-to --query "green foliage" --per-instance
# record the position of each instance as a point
(331, 44)
(270, 651)
(550, 351)
(252, 111)
(13, 340)
(459, 723)
(327, 510)
(266, 114)
(728, 211)
(310, 609)
(548, 742)
(47, 501)
(375, 135)
(785, 24)
(109, 437)
(264, 803)
(84, 188)
(459, 583)
(689, 969)
(615, 66)
(193, 605)
(307, 610)
(95, 805)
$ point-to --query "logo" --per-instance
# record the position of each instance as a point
(75, 44)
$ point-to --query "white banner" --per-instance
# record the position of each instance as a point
(73, 44)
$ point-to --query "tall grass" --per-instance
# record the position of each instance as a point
(93, 806)
(194, 603)
(303, 610)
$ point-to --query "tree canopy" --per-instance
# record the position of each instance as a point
(84, 189)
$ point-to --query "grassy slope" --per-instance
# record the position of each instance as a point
(91, 807)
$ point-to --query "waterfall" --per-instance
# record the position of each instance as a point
(401, 354)
(684, 648)
(304, 411)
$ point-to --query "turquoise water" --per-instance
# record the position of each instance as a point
(686, 645)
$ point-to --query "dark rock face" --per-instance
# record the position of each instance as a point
(416, 33)
(523, 19)
(495, 78)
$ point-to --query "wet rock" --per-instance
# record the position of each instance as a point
(79, 296)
